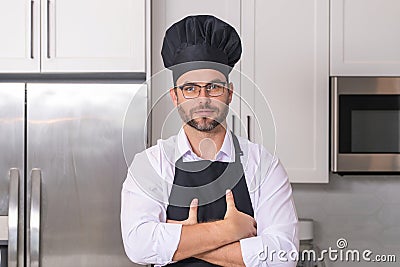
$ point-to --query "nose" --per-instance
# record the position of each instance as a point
(203, 92)
(203, 98)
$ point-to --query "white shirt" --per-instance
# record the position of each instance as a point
(148, 239)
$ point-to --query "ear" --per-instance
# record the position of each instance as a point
(174, 97)
(230, 92)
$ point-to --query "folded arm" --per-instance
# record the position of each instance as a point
(148, 239)
(228, 255)
(199, 238)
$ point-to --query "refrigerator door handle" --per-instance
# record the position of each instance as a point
(13, 209)
(34, 219)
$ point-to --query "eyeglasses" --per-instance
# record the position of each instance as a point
(192, 90)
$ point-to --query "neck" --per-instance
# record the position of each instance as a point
(206, 144)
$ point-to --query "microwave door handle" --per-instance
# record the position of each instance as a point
(334, 124)
(34, 219)
(13, 209)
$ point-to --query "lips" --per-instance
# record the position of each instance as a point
(204, 112)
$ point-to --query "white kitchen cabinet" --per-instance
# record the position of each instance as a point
(72, 36)
(286, 54)
(165, 119)
(19, 31)
(365, 38)
(93, 35)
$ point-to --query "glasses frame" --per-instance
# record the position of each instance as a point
(224, 86)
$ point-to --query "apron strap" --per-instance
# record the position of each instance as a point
(238, 150)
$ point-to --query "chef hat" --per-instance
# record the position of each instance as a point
(200, 42)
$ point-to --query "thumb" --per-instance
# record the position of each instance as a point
(230, 201)
(193, 209)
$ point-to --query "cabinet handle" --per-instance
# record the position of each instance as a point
(248, 127)
(32, 28)
(50, 25)
(34, 220)
(13, 210)
(48, 28)
(233, 124)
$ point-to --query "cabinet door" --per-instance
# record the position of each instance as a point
(287, 57)
(19, 31)
(93, 36)
(365, 38)
(165, 119)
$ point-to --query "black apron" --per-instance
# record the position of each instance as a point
(207, 181)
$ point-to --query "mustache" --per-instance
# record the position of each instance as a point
(193, 110)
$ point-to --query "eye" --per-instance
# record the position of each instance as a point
(213, 86)
(189, 88)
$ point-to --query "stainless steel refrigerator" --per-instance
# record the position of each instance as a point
(64, 152)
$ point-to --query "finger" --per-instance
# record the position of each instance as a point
(230, 202)
(193, 210)
(172, 221)
(194, 203)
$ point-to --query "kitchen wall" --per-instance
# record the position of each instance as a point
(362, 209)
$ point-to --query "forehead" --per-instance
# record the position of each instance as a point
(201, 75)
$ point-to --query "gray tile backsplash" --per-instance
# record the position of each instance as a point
(365, 210)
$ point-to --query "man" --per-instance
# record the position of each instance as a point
(206, 197)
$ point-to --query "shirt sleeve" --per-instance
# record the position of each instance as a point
(147, 238)
(276, 243)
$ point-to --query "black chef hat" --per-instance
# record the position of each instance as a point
(201, 42)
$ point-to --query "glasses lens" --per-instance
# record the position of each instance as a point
(190, 90)
(215, 89)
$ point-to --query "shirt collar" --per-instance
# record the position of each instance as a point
(183, 145)
(225, 154)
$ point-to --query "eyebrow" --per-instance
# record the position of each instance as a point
(212, 81)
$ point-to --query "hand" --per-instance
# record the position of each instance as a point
(239, 224)
(192, 219)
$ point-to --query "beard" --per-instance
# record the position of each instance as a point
(204, 124)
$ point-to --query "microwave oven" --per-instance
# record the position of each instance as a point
(365, 125)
